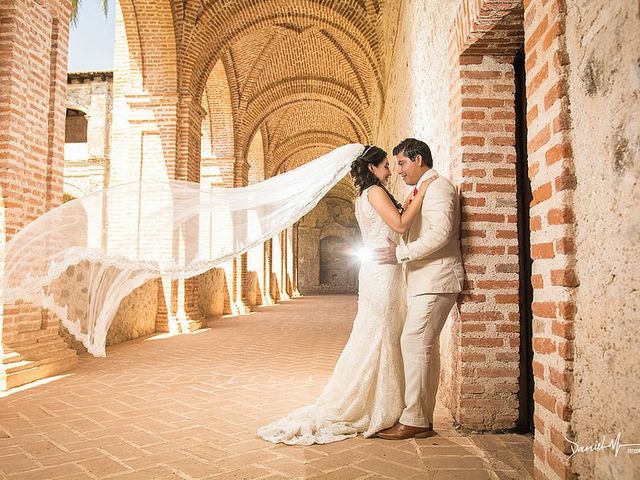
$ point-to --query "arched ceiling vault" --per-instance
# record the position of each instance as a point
(307, 73)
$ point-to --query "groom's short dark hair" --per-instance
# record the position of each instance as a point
(410, 148)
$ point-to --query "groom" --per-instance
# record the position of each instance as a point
(430, 252)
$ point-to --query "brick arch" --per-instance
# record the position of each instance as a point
(281, 45)
(219, 27)
(283, 149)
(307, 151)
(145, 126)
(218, 139)
(256, 158)
(271, 74)
(301, 117)
(344, 189)
(290, 91)
(151, 44)
(362, 129)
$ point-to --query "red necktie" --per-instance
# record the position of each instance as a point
(413, 194)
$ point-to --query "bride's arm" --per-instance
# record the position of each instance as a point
(398, 222)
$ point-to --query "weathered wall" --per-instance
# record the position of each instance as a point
(214, 291)
(135, 317)
(416, 36)
(86, 165)
(331, 222)
(604, 91)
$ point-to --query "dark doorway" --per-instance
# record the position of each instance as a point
(75, 129)
(525, 420)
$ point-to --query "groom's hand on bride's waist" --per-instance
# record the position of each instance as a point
(386, 255)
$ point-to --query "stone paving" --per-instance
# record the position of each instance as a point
(187, 407)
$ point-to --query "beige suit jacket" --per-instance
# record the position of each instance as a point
(430, 250)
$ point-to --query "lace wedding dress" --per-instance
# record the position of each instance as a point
(365, 391)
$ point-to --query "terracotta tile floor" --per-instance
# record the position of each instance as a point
(187, 406)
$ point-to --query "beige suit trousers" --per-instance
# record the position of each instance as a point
(420, 343)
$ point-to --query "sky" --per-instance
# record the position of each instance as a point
(91, 42)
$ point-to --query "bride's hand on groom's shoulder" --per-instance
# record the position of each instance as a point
(425, 184)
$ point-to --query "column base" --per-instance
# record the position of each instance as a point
(240, 307)
(284, 296)
(268, 300)
(182, 322)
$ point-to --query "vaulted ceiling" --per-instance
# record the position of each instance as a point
(307, 74)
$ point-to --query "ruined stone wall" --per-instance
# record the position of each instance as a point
(604, 90)
(86, 166)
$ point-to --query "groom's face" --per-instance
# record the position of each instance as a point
(409, 170)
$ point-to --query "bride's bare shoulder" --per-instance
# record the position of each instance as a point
(374, 191)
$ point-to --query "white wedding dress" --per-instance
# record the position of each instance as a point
(365, 391)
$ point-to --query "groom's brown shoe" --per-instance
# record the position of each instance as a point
(401, 432)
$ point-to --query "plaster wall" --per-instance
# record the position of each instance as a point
(604, 91)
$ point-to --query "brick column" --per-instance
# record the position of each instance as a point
(150, 124)
(285, 293)
(268, 298)
(33, 68)
(294, 253)
(552, 174)
(240, 271)
(182, 294)
(487, 329)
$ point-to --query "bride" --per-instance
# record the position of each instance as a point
(365, 391)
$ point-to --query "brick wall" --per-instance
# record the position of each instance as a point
(33, 61)
(553, 181)
(487, 329)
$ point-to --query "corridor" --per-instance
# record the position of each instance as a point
(187, 407)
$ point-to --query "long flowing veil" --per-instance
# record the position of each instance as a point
(81, 259)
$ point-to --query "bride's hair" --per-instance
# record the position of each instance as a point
(362, 177)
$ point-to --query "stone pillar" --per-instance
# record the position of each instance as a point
(268, 298)
(294, 253)
(285, 294)
(32, 118)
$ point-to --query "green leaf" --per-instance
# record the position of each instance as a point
(75, 6)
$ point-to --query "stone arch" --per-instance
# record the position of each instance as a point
(332, 218)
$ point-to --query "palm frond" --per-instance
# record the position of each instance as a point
(75, 6)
